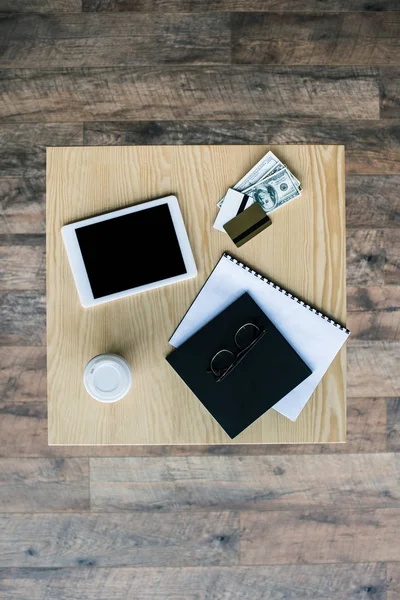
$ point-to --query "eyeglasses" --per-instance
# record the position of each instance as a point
(224, 361)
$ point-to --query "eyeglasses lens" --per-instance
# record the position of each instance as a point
(221, 362)
(246, 335)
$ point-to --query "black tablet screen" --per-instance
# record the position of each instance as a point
(130, 251)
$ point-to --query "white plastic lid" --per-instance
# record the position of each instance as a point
(107, 377)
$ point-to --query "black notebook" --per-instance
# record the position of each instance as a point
(263, 375)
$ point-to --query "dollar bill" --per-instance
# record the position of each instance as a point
(278, 168)
(275, 190)
(267, 165)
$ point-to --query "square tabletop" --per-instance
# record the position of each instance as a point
(303, 251)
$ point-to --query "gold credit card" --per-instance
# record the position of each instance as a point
(247, 224)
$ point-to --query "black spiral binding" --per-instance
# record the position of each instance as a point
(274, 285)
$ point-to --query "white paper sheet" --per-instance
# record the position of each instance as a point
(315, 338)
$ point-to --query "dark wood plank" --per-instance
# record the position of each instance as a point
(104, 40)
(22, 204)
(22, 172)
(22, 374)
(235, 92)
(240, 482)
(373, 257)
(372, 201)
(240, 5)
(366, 424)
(393, 581)
(373, 313)
(23, 146)
(40, 6)
(371, 146)
(22, 318)
(61, 540)
(43, 485)
(33, 240)
(23, 426)
(393, 424)
(320, 536)
(23, 406)
(390, 93)
(22, 262)
(316, 39)
(22, 290)
(300, 582)
(373, 368)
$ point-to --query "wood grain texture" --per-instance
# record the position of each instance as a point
(61, 540)
(22, 172)
(23, 147)
(289, 582)
(374, 312)
(22, 204)
(93, 40)
(320, 536)
(40, 6)
(372, 147)
(244, 104)
(23, 428)
(372, 201)
(240, 483)
(373, 368)
(23, 423)
(23, 406)
(19, 367)
(390, 93)
(22, 263)
(22, 317)
(286, 6)
(103, 178)
(316, 39)
(373, 257)
(366, 432)
(393, 579)
(173, 92)
(393, 424)
(43, 485)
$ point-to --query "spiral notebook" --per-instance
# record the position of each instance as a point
(314, 336)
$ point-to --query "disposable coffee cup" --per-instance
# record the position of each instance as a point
(107, 377)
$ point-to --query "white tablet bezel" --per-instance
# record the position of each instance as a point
(78, 266)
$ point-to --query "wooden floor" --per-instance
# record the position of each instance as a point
(259, 523)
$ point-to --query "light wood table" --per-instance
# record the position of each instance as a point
(304, 251)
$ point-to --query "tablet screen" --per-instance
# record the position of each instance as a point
(129, 251)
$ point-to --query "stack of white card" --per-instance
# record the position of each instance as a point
(269, 182)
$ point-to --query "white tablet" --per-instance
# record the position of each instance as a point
(129, 251)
